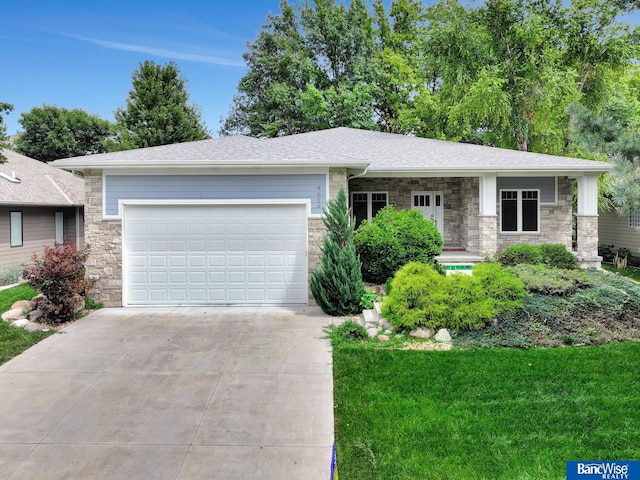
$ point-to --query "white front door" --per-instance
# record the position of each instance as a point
(431, 205)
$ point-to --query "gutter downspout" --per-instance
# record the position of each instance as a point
(12, 179)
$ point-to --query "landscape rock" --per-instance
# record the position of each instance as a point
(383, 338)
(32, 327)
(20, 323)
(422, 332)
(35, 315)
(15, 314)
(443, 335)
(372, 332)
(21, 304)
(385, 324)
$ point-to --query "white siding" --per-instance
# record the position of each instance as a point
(614, 230)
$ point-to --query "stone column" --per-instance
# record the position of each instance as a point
(488, 235)
(587, 224)
(488, 217)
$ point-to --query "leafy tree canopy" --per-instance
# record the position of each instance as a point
(157, 111)
(51, 133)
(501, 72)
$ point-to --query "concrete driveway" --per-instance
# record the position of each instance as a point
(182, 393)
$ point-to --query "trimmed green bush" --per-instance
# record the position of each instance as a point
(557, 256)
(394, 238)
(347, 332)
(550, 254)
(337, 285)
(421, 297)
(545, 280)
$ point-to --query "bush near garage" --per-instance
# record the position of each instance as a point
(59, 274)
(550, 254)
(421, 297)
(394, 238)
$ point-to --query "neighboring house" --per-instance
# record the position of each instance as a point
(621, 231)
(237, 220)
(39, 205)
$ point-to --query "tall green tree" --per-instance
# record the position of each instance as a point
(51, 133)
(157, 111)
(337, 284)
(5, 108)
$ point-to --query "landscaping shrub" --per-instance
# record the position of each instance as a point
(521, 253)
(337, 285)
(605, 309)
(550, 254)
(557, 256)
(421, 297)
(545, 280)
(10, 275)
(394, 238)
(369, 297)
(60, 276)
(348, 332)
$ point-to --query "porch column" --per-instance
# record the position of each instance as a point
(488, 217)
(587, 222)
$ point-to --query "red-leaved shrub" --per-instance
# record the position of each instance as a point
(60, 276)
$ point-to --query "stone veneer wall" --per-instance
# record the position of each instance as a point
(454, 193)
(105, 237)
(587, 244)
(555, 222)
(470, 209)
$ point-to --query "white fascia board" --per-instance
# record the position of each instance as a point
(283, 201)
(215, 171)
(213, 165)
(511, 172)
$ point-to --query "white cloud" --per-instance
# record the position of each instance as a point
(161, 52)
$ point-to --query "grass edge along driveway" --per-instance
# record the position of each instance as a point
(13, 341)
(484, 414)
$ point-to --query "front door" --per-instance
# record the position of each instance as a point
(431, 206)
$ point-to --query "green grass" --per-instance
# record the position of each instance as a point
(484, 414)
(630, 272)
(14, 341)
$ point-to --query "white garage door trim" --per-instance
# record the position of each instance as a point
(297, 294)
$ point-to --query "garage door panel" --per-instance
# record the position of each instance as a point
(225, 254)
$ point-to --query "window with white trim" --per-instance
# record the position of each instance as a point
(520, 211)
(634, 220)
(15, 228)
(365, 205)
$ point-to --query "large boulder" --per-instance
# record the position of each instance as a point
(14, 314)
(20, 323)
(21, 304)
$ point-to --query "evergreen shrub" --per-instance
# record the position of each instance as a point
(550, 254)
(337, 284)
(394, 238)
(544, 280)
(421, 297)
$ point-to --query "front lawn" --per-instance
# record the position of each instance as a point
(484, 414)
(13, 341)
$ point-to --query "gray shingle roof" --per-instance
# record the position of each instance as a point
(221, 152)
(389, 153)
(383, 153)
(40, 183)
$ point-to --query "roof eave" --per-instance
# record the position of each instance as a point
(199, 165)
(474, 172)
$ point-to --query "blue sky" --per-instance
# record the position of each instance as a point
(81, 53)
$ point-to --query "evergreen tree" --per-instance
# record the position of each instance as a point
(337, 285)
(157, 112)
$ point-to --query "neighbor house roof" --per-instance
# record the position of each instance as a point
(29, 182)
(377, 153)
(236, 151)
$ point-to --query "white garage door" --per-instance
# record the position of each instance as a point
(215, 254)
